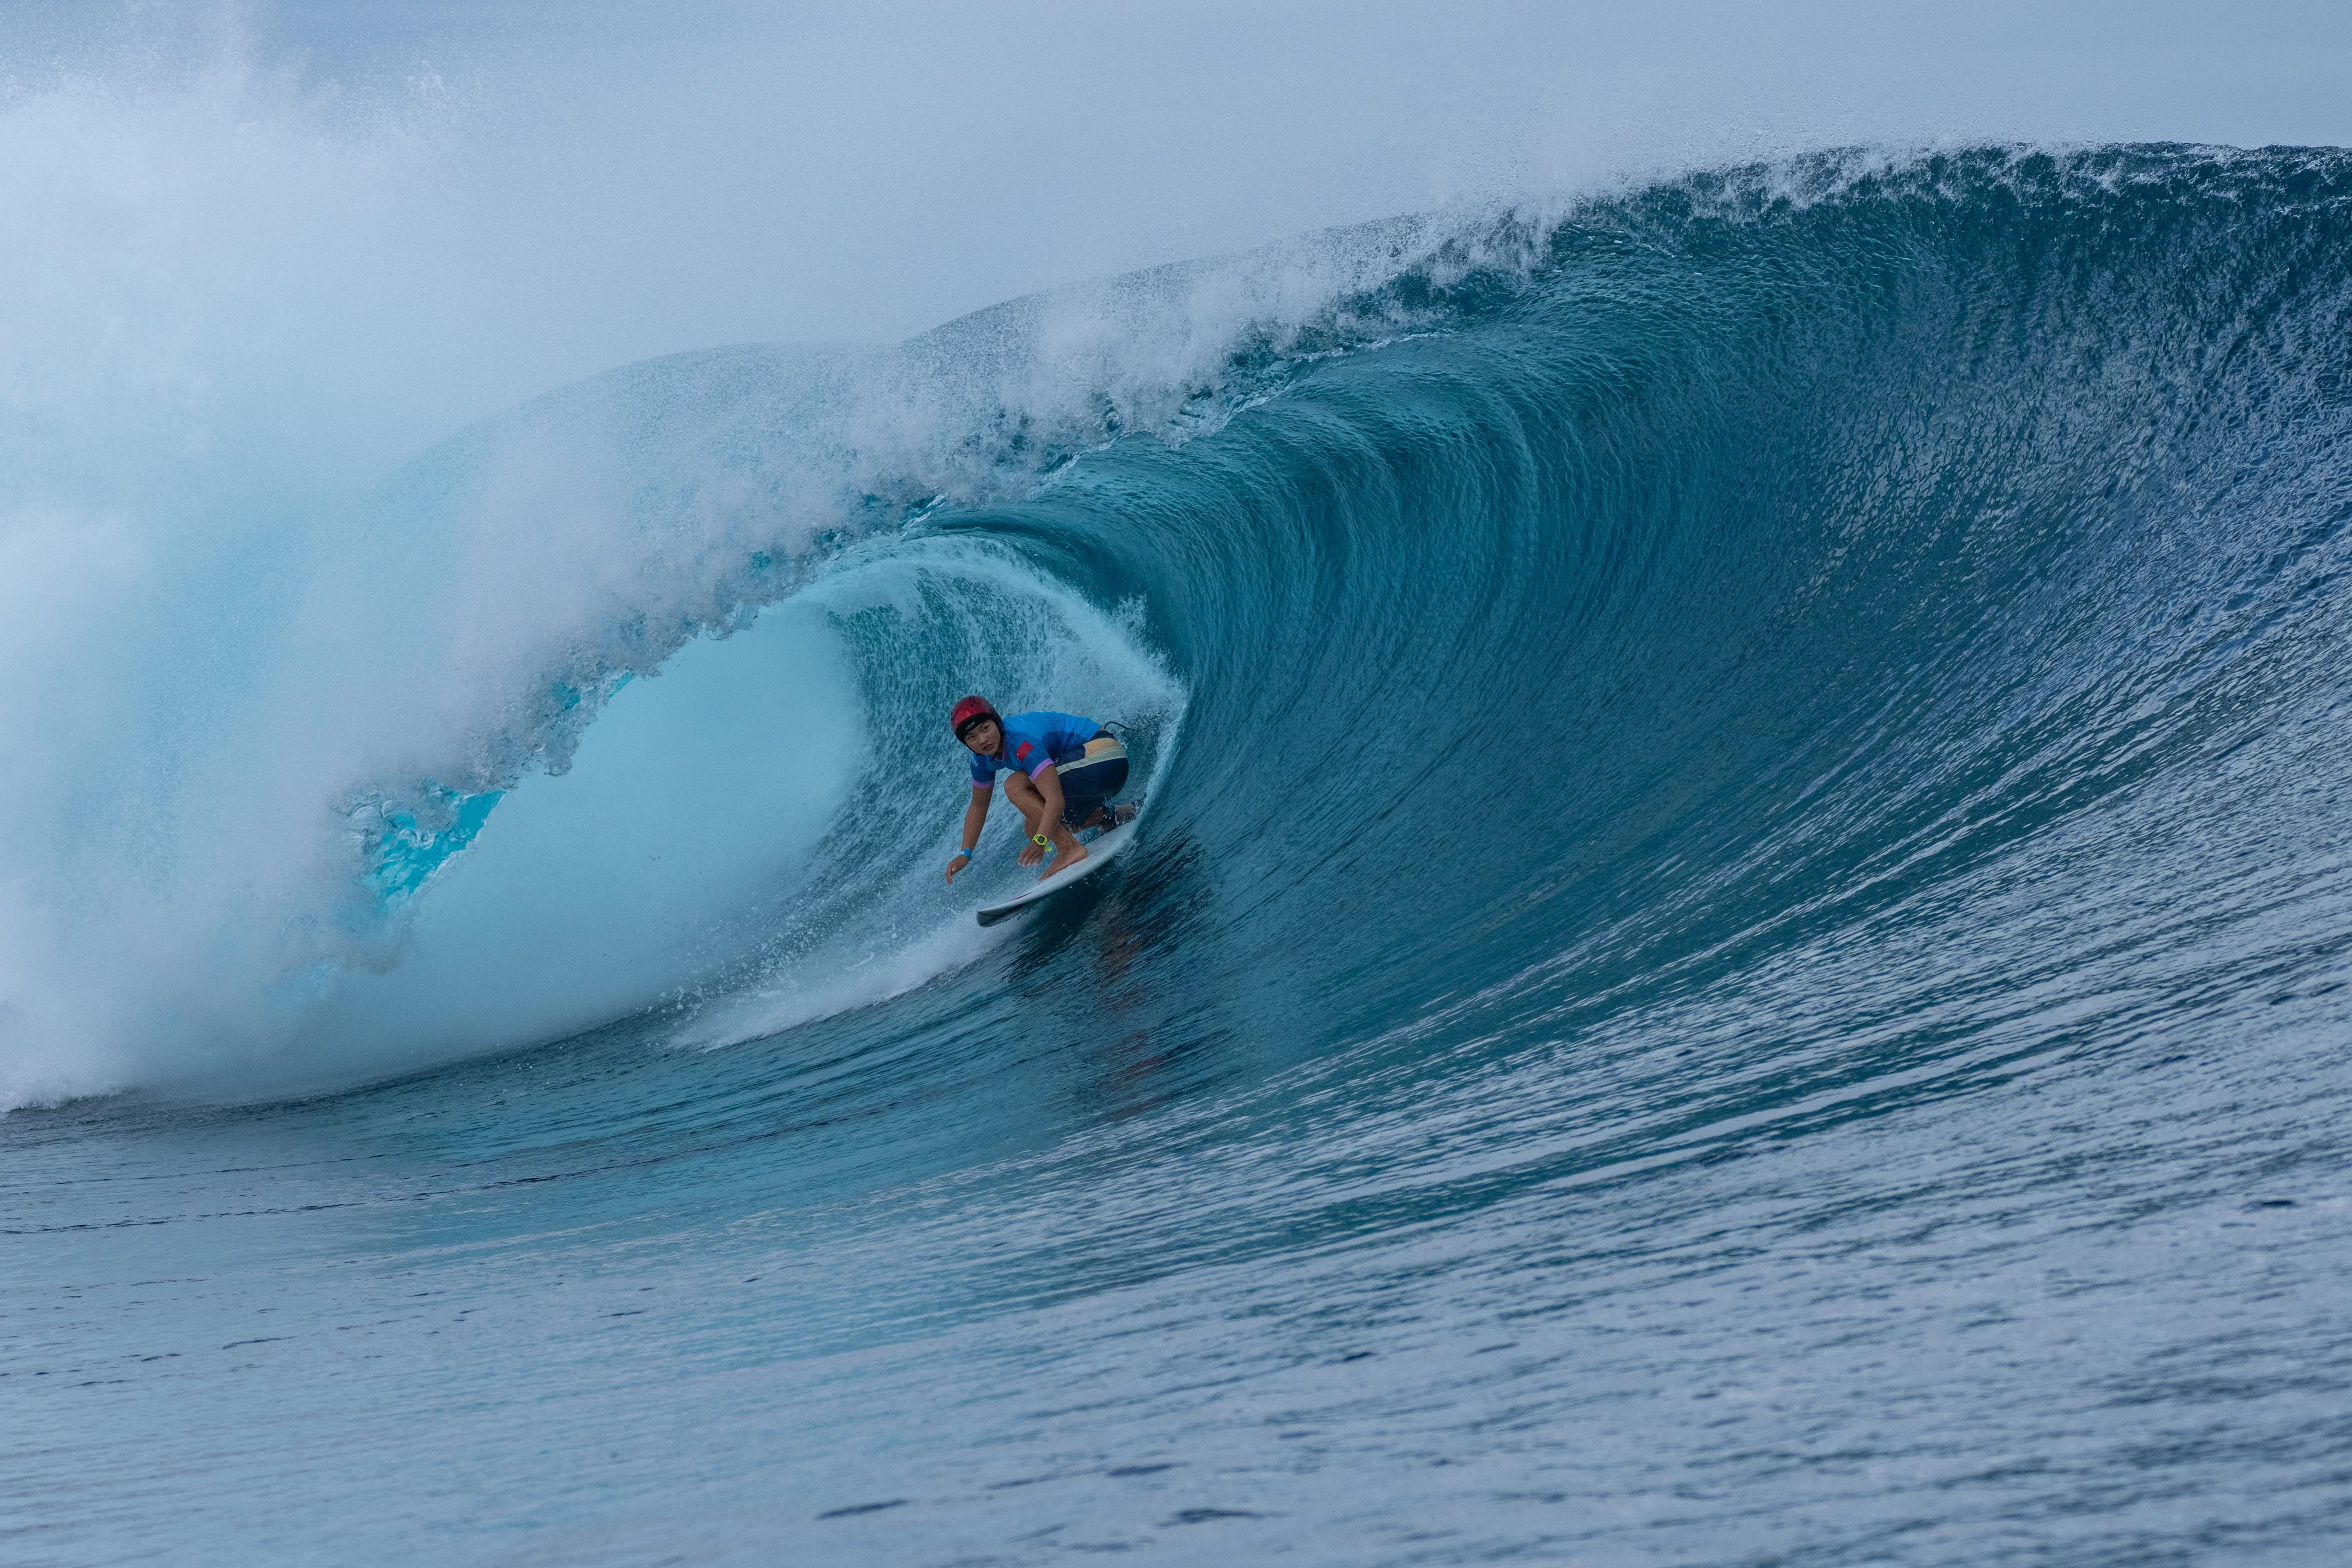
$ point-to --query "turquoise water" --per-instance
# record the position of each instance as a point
(1738, 956)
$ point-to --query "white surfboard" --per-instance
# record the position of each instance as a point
(1099, 854)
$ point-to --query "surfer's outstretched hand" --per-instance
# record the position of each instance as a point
(961, 862)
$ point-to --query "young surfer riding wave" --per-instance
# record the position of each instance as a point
(1062, 771)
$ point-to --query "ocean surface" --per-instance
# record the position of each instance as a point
(1739, 950)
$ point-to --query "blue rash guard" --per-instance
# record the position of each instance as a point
(1034, 742)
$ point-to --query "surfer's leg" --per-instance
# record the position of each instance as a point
(1100, 814)
(1087, 785)
(1031, 804)
(1068, 851)
(1025, 798)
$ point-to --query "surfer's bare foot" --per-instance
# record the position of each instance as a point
(1064, 861)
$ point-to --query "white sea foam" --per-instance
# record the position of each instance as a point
(874, 917)
(214, 665)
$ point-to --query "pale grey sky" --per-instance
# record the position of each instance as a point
(613, 181)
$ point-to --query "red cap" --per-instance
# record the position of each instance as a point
(970, 711)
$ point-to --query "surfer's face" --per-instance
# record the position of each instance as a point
(985, 737)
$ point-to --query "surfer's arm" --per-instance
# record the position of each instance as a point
(1038, 798)
(975, 816)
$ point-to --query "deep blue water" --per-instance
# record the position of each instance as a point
(1738, 956)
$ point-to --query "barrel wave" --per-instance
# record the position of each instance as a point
(1738, 951)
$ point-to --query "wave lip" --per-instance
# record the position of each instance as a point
(404, 662)
(1589, 387)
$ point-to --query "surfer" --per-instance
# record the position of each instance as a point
(1061, 769)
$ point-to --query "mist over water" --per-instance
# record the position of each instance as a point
(1739, 947)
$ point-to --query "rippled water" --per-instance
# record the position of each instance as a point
(1737, 955)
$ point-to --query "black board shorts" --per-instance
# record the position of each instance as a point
(1089, 781)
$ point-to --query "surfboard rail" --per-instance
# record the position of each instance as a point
(1099, 854)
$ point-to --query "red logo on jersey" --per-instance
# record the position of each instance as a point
(1022, 750)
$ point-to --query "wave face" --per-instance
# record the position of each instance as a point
(1738, 950)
